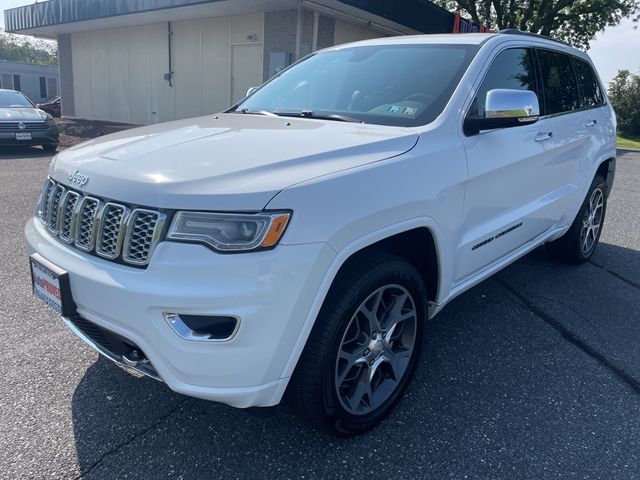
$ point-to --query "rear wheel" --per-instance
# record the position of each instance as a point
(580, 241)
(364, 346)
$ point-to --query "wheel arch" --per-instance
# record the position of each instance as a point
(607, 168)
(417, 246)
(390, 239)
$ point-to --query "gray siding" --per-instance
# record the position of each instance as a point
(29, 77)
(280, 34)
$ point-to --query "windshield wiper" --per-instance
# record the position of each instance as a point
(320, 116)
(254, 112)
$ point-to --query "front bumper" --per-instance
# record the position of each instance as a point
(50, 136)
(270, 291)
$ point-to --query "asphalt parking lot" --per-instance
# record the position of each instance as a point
(533, 374)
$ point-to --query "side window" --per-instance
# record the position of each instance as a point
(588, 81)
(560, 88)
(512, 69)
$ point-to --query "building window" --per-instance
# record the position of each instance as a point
(16, 82)
(7, 81)
(52, 87)
(43, 87)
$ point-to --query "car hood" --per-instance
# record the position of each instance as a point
(22, 115)
(224, 162)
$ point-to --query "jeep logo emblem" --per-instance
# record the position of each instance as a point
(78, 179)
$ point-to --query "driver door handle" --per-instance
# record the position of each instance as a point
(591, 123)
(543, 136)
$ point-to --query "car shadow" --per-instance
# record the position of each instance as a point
(500, 393)
(14, 153)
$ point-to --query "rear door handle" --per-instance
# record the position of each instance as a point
(591, 123)
(543, 136)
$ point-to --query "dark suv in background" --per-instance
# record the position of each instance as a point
(23, 124)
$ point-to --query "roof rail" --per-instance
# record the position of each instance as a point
(515, 31)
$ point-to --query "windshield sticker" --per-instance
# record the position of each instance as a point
(399, 110)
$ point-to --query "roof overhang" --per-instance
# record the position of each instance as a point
(55, 17)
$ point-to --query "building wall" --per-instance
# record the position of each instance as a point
(347, 32)
(30, 75)
(118, 74)
(280, 35)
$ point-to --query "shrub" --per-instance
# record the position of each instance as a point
(624, 94)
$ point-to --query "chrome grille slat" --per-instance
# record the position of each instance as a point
(49, 185)
(110, 230)
(67, 210)
(143, 230)
(53, 209)
(85, 219)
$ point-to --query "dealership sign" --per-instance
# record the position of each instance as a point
(462, 25)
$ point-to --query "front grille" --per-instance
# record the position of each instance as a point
(110, 230)
(28, 126)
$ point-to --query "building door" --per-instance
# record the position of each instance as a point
(246, 69)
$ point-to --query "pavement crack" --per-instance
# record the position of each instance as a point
(134, 437)
(572, 338)
(615, 274)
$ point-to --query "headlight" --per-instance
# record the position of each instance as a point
(228, 232)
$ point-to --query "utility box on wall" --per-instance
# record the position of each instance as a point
(278, 61)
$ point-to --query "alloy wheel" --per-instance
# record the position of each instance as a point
(376, 349)
(592, 221)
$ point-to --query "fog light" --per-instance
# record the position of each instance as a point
(203, 328)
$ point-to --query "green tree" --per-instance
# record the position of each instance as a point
(624, 94)
(573, 21)
(22, 49)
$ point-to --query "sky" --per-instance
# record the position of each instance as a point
(616, 48)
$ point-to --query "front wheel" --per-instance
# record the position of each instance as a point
(580, 241)
(50, 147)
(364, 346)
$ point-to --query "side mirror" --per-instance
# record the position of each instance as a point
(251, 90)
(505, 108)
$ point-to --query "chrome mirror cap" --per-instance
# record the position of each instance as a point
(508, 103)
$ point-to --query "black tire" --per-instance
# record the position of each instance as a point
(312, 389)
(50, 147)
(570, 247)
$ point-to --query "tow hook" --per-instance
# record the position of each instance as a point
(134, 358)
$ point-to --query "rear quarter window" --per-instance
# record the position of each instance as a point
(592, 95)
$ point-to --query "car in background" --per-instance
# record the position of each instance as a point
(51, 106)
(23, 124)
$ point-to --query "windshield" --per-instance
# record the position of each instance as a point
(402, 85)
(14, 99)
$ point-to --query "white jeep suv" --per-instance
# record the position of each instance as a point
(299, 242)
